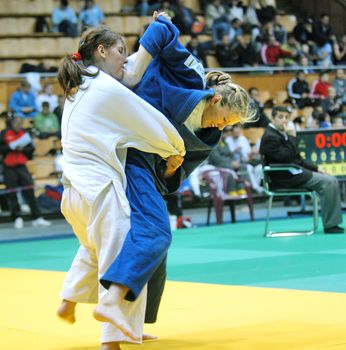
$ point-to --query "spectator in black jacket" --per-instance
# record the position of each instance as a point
(299, 90)
(279, 144)
(17, 148)
(322, 31)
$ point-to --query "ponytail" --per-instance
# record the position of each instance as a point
(233, 95)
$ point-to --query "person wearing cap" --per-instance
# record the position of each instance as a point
(279, 144)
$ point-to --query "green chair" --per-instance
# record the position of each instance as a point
(286, 192)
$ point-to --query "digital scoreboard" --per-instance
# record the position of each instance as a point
(326, 148)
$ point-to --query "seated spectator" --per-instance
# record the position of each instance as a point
(338, 123)
(271, 51)
(339, 83)
(332, 104)
(16, 148)
(59, 109)
(320, 87)
(324, 121)
(279, 144)
(292, 45)
(46, 122)
(91, 15)
(223, 157)
(279, 31)
(298, 89)
(240, 146)
(64, 19)
(339, 49)
(322, 31)
(214, 11)
(246, 52)
(147, 7)
(197, 49)
(323, 55)
(250, 15)
(23, 101)
(261, 120)
(47, 95)
(225, 52)
(184, 17)
(235, 10)
(266, 13)
(303, 32)
(221, 28)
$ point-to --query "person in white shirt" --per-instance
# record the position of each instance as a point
(101, 119)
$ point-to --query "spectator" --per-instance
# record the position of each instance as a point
(240, 146)
(294, 47)
(225, 53)
(298, 89)
(303, 31)
(246, 51)
(16, 148)
(223, 157)
(221, 28)
(338, 123)
(324, 121)
(320, 87)
(339, 83)
(279, 31)
(184, 17)
(23, 101)
(271, 51)
(235, 10)
(322, 31)
(197, 49)
(251, 13)
(323, 55)
(91, 15)
(279, 144)
(261, 120)
(214, 11)
(64, 19)
(46, 122)
(339, 49)
(332, 104)
(147, 7)
(47, 95)
(58, 110)
(266, 13)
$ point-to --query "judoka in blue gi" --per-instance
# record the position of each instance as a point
(175, 84)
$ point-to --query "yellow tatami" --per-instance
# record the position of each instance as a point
(193, 316)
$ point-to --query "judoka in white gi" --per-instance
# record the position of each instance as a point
(101, 119)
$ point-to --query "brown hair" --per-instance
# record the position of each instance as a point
(233, 95)
(71, 71)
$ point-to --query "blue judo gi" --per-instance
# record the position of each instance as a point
(174, 83)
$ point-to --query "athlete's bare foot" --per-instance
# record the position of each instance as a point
(108, 310)
(66, 311)
(146, 337)
(110, 346)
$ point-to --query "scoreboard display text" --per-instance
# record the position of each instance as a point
(326, 148)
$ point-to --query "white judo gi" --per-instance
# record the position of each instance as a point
(104, 119)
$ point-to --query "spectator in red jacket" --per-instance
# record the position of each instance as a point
(320, 87)
(16, 148)
(271, 51)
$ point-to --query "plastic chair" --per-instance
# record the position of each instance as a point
(286, 192)
(217, 181)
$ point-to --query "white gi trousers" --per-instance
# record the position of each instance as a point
(101, 228)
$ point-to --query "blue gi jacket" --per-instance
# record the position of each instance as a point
(177, 84)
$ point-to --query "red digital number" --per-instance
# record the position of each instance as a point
(336, 140)
(320, 140)
(344, 139)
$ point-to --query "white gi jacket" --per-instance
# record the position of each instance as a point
(103, 120)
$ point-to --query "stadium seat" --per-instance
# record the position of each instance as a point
(217, 181)
(285, 192)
